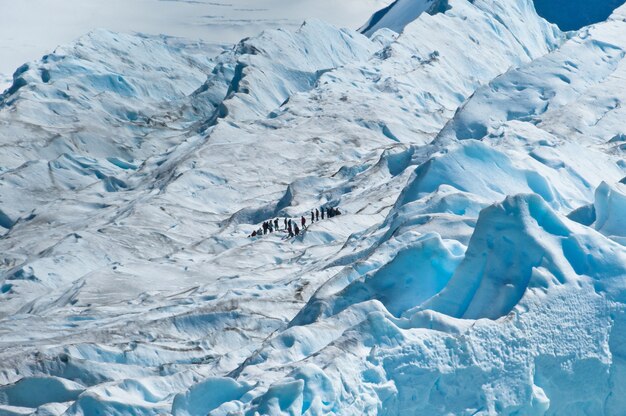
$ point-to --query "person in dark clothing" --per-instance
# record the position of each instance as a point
(317, 214)
(253, 234)
(276, 224)
(330, 212)
(264, 228)
(296, 229)
(312, 217)
(270, 227)
(285, 223)
(303, 221)
(290, 230)
(323, 212)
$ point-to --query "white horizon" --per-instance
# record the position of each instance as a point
(31, 28)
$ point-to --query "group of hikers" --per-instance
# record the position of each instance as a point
(291, 226)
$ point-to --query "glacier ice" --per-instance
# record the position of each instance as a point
(479, 267)
(609, 205)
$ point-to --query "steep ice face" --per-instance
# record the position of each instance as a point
(608, 210)
(519, 246)
(478, 267)
(400, 13)
(555, 281)
(395, 284)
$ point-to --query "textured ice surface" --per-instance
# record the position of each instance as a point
(479, 266)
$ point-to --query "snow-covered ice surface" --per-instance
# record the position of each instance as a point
(479, 266)
(31, 28)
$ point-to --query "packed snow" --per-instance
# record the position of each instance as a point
(475, 151)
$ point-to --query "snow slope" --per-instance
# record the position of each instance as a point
(479, 266)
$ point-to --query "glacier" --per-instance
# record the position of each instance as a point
(479, 267)
(29, 30)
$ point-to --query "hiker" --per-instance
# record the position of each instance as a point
(303, 221)
(270, 227)
(253, 234)
(329, 212)
(312, 217)
(296, 229)
(264, 228)
(322, 212)
(276, 224)
(285, 224)
(290, 230)
(317, 214)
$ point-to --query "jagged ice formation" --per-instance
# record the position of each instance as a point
(479, 267)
